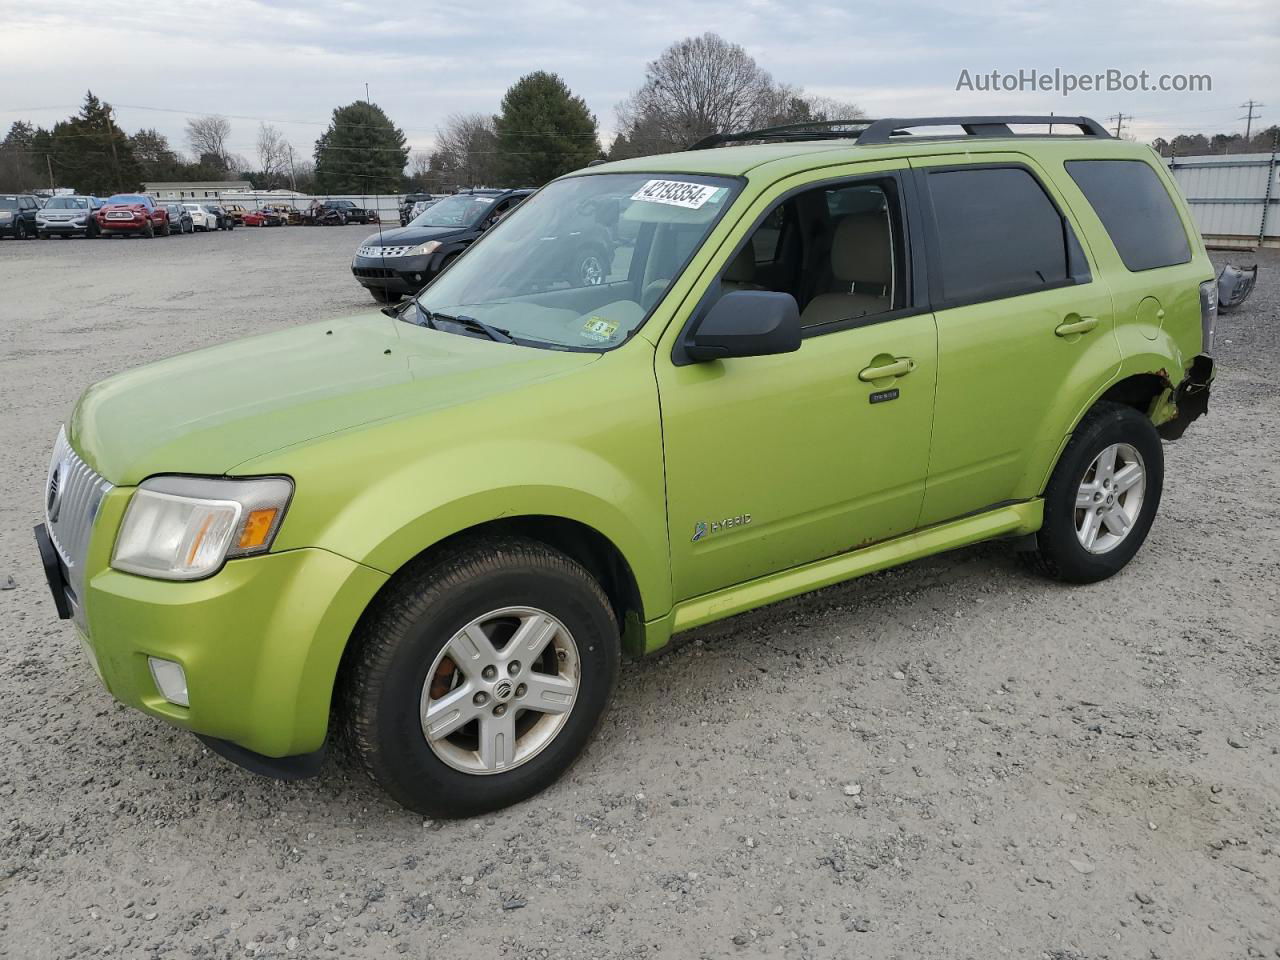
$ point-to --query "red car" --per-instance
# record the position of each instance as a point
(264, 218)
(133, 213)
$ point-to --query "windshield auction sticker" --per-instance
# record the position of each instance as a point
(676, 193)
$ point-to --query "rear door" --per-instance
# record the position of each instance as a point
(1025, 328)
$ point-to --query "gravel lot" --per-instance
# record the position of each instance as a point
(950, 760)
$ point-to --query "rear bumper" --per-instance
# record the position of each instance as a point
(259, 642)
(1190, 398)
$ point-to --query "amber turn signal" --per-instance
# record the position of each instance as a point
(257, 525)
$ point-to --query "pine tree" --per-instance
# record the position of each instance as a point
(544, 131)
(91, 153)
(361, 152)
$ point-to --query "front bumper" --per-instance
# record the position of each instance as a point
(62, 226)
(114, 226)
(397, 274)
(260, 641)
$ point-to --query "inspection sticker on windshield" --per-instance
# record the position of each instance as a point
(676, 193)
(599, 329)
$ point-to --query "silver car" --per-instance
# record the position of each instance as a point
(67, 216)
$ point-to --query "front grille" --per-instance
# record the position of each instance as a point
(376, 252)
(119, 215)
(73, 494)
(373, 273)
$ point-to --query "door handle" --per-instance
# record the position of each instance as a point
(1083, 325)
(898, 368)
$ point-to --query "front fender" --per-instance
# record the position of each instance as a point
(585, 447)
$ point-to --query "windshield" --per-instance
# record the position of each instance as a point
(67, 203)
(460, 210)
(129, 198)
(581, 263)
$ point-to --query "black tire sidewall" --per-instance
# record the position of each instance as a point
(1059, 545)
(405, 764)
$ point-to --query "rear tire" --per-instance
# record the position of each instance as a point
(148, 230)
(1102, 497)
(492, 746)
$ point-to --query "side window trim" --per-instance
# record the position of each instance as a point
(1077, 262)
(913, 261)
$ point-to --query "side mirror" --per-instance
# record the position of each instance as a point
(747, 323)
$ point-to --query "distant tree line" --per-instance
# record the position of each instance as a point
(698, 86)
(1197, 144)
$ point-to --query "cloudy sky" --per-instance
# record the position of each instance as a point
(290, 62)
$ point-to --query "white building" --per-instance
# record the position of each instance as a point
(196, 190)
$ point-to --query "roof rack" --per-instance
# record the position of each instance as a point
(882, 131)
(809, 130)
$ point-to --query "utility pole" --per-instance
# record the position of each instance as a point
(293, 180)
(1249, 106)
(1120, 118)
(366, 94)
(49, 163)
(115, 161)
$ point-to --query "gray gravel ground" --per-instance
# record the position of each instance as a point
(950, 760)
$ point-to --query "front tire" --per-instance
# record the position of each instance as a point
(1102, 497)
(478, 678)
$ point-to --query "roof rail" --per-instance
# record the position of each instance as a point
(808, 130)
(882, 130)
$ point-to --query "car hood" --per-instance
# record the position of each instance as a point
(208, 411)
(411, 236)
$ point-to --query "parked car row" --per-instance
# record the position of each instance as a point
(27, 217)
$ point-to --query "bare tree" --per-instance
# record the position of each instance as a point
(208, 135)
(466, 153)
(273, 153)
(704, 85)
(831, 108)
(698, 86)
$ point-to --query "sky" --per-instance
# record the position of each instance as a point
(291, 63)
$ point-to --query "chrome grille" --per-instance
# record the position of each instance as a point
(73, 494)
(371, 251)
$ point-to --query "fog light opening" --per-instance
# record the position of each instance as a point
(171, 680)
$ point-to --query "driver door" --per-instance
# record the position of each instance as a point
(773, 462)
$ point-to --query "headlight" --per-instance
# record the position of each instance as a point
(184, 528)
(6, 215)
(424, 249)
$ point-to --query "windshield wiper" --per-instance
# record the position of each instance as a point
(471, 323)
(397, 312)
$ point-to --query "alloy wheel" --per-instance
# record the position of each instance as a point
(500, 690)
(1109, 499)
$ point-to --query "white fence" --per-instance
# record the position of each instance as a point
(1235, 198)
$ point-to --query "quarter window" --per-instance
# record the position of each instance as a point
(1136, 210)
(999, 234)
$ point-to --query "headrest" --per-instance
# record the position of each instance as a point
(742, 268)
(860, 251)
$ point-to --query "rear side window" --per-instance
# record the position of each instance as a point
(999, 234)
(1135, 207)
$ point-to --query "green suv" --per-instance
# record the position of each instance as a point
(817, 352)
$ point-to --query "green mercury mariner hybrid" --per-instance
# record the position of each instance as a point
(806, 353)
